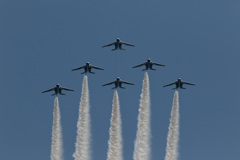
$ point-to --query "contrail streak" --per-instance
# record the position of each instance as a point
(142, 143)
(56, 146)
(82, 144)
(115, 132)
(173, 132)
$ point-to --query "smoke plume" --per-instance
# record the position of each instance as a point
(56, 146)
(173, 132)
(82, 144)
(115, 132)
(142, 143)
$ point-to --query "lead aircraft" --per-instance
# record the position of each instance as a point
(118, 83)
(118, 45)
(179, 84)
(58, 90)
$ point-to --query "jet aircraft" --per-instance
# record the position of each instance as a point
(118, 83)
(58, 90)
(87, 67)
(179, 84)
(118, 44)
(148, 64)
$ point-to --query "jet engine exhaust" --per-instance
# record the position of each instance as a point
(115, 131)
(82, 145)
(56, 146)
(173, 132)
(142, 146)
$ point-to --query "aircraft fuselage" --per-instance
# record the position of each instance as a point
(179, 84)
(118, 45)
(58, 89)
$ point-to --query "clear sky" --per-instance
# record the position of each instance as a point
(197, 40)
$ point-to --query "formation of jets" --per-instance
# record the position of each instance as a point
(118, 82)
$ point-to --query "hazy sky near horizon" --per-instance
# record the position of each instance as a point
(41, 41)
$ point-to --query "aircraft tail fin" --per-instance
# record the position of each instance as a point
(54, 94)
(114, 49)
(123, 87)
(153, 69)
(174, 88)
(114, 87)
(63, 94)
(144, 69)
(92, 72)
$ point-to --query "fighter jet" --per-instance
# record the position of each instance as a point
(118, 83)
(58, 90)
(148, 64)
(87, 67)
(118, 44)
(179, 84)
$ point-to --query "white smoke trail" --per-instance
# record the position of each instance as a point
(173, 132)
(82, 144)
(115, 132)
(142, 143)
(56, 146)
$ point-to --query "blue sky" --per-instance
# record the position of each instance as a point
(41, 41)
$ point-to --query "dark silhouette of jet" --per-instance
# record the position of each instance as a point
(118, 83)
(148, 64)
(87, 67)
(179, 84)
(118, 44)
(58, 90)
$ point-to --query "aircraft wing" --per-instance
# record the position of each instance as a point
(140, 65)
(128, 44)
(169, 84)
(49, 90)
(157, 64)
(127, 82)
(109, 83)
(188, 83)
(108, 45)
(67, 89)
(78, 68)
(96, 67)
